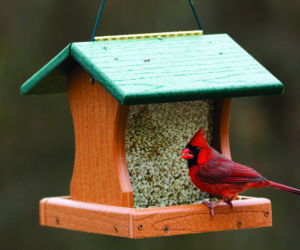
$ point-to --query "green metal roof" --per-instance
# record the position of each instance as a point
(160, 69)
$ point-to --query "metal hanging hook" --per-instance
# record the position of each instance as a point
(98, 18)
(101, 8)
(195, 14)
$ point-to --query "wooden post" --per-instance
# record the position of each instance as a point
(221, 126)
(100, 173)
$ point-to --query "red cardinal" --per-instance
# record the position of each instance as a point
(215, 174)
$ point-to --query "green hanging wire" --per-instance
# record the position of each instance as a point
(92, 80)
(97, 21)
(195, 14)
(101, 8)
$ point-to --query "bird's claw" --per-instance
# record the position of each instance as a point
(211, 210)
(210, 206)
(229, 200)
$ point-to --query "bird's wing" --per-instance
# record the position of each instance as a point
(223, 170)
(243, 174)
(214, 172)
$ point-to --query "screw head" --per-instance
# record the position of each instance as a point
(239, 224)
(267, 213)
(140, 227)
(166, 229)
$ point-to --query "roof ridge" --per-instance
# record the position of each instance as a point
(149, 35)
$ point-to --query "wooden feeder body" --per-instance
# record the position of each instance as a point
(102, 197)
(94, 109)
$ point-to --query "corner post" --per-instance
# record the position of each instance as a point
(100, 172)
(221, 129)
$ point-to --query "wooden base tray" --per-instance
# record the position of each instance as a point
(62, 212)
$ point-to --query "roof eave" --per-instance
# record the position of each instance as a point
(179, 96)
(51, 78)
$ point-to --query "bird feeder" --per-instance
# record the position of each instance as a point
(136, 100)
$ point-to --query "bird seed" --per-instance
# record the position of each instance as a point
(155, 136)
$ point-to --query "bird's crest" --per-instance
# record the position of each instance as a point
(198, 139)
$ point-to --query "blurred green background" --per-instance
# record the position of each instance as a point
(36, 133)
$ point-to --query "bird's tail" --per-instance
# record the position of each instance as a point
(285, 188)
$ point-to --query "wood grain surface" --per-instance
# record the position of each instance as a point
(100, 173)
(221, 126)
(62, 212)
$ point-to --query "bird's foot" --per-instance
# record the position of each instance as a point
(210, 206)
(229, 203)
(229, 200)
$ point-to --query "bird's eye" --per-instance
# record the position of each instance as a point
(198, 148)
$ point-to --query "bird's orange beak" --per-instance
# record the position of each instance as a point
(186, 154)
